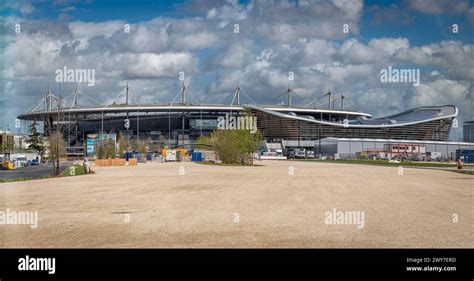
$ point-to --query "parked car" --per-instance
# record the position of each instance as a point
(289, 153)
(300, 153)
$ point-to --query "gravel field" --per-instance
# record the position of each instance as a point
(193, 205)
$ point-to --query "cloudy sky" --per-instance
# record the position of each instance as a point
(340, 45)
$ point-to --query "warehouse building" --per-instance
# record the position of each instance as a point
(351, 148)
(468, 131)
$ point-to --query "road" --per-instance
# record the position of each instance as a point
(33, 172)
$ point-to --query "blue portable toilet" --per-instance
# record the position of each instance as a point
(128, 155)
(149, 156)
(196, 156)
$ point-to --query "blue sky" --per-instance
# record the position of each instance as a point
(133, 11)
(420, 28)
(276, 37)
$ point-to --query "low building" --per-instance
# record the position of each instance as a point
(20, 142)
(6, 140)
(11, 141)
(350, 148)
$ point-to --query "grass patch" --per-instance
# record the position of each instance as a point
(467, 172)
(23, 179)
(75, 170)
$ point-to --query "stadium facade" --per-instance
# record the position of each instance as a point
(182, 123)
(468, 131)
(423, 123)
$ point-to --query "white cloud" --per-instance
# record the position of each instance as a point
(354, 51)
(141, 39)
(274, 38)
(196, 41)
(234, 56)
(454, 56)
(31, 56)
(162, 65)
(389, 46)
(83, 31)
(443, 91)
(320, 50)
(378, 50)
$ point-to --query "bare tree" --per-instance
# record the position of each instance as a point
(55, 130)
(161, 141)
(57, 148)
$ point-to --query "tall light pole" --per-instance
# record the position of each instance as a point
(290, 92)
(127, 123)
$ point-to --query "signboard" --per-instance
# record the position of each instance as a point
(204, 124)
(96, 139)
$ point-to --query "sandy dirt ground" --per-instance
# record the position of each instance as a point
(152, 205)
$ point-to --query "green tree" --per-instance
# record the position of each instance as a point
(35, 139)
(149, 144)
(122, 145)
(105, 149)
(109, 146)
(100, 151)
(9, 144)
(233, 146)
(142, 146)
(248, 143)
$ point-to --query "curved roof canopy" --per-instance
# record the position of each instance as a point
(179, 108)
(408, 117)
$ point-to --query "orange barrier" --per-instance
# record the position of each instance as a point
(110, 162)
(132, 161)
(103, 162)
(119, 162)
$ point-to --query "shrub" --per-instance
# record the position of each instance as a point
(233, 146)
(75, 170)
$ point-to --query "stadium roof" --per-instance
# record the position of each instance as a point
(409, 117)
(177, 107)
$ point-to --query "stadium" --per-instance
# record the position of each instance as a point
(180, 124)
